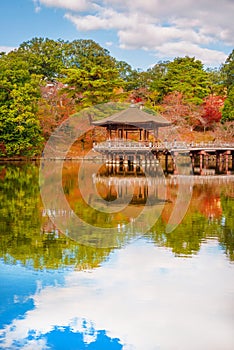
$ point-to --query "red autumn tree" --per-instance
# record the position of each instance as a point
(212, 110)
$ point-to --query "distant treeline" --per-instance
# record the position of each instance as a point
(44, 81)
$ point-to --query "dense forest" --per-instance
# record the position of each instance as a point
(45, 81)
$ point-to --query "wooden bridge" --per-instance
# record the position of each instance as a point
(218, 155)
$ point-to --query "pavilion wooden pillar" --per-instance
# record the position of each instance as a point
(120, 133)
(141, 132)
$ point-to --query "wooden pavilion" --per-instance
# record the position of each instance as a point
(132, 121)
(131, 134)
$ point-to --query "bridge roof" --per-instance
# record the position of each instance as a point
(133, 116)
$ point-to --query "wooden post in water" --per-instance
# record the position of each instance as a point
(201, 162)
(221, 163)
(217, 162)
(227, 161)
(193, 160)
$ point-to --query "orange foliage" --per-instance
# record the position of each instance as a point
(54, 107)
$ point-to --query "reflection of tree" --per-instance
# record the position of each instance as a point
(227, 225)
(28, 237)
(186, 239)
(209, 216)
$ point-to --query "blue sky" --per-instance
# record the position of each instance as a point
(140, 32)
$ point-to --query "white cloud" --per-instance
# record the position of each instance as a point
(74, 5)
(183, 48)
(109, 43)
(151, 37)
(147, 24)
(7, 48)
(88, 22)
(140, 296)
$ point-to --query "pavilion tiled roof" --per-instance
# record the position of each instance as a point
(133, 116)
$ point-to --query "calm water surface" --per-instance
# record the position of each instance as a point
(168, 285)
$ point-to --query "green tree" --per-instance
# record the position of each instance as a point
(228, 109)
(48, 57)
(92, 85)
(185, 75)
(45, 57)
(228, 70)
(83, 53)
(216, 77)
(131, 77)
(19, 93)
(157, 73)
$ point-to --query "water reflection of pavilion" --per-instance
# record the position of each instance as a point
(120, 182)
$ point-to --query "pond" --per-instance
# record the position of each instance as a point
(108, 258)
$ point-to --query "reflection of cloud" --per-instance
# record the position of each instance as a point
(37, 7)
(145, 297)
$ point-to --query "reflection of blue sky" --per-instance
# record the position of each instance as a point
(18, 289)
(142, 298)
(18, 286)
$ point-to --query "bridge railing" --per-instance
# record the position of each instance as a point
(211, 144)
(193, 145)
(165, 145)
